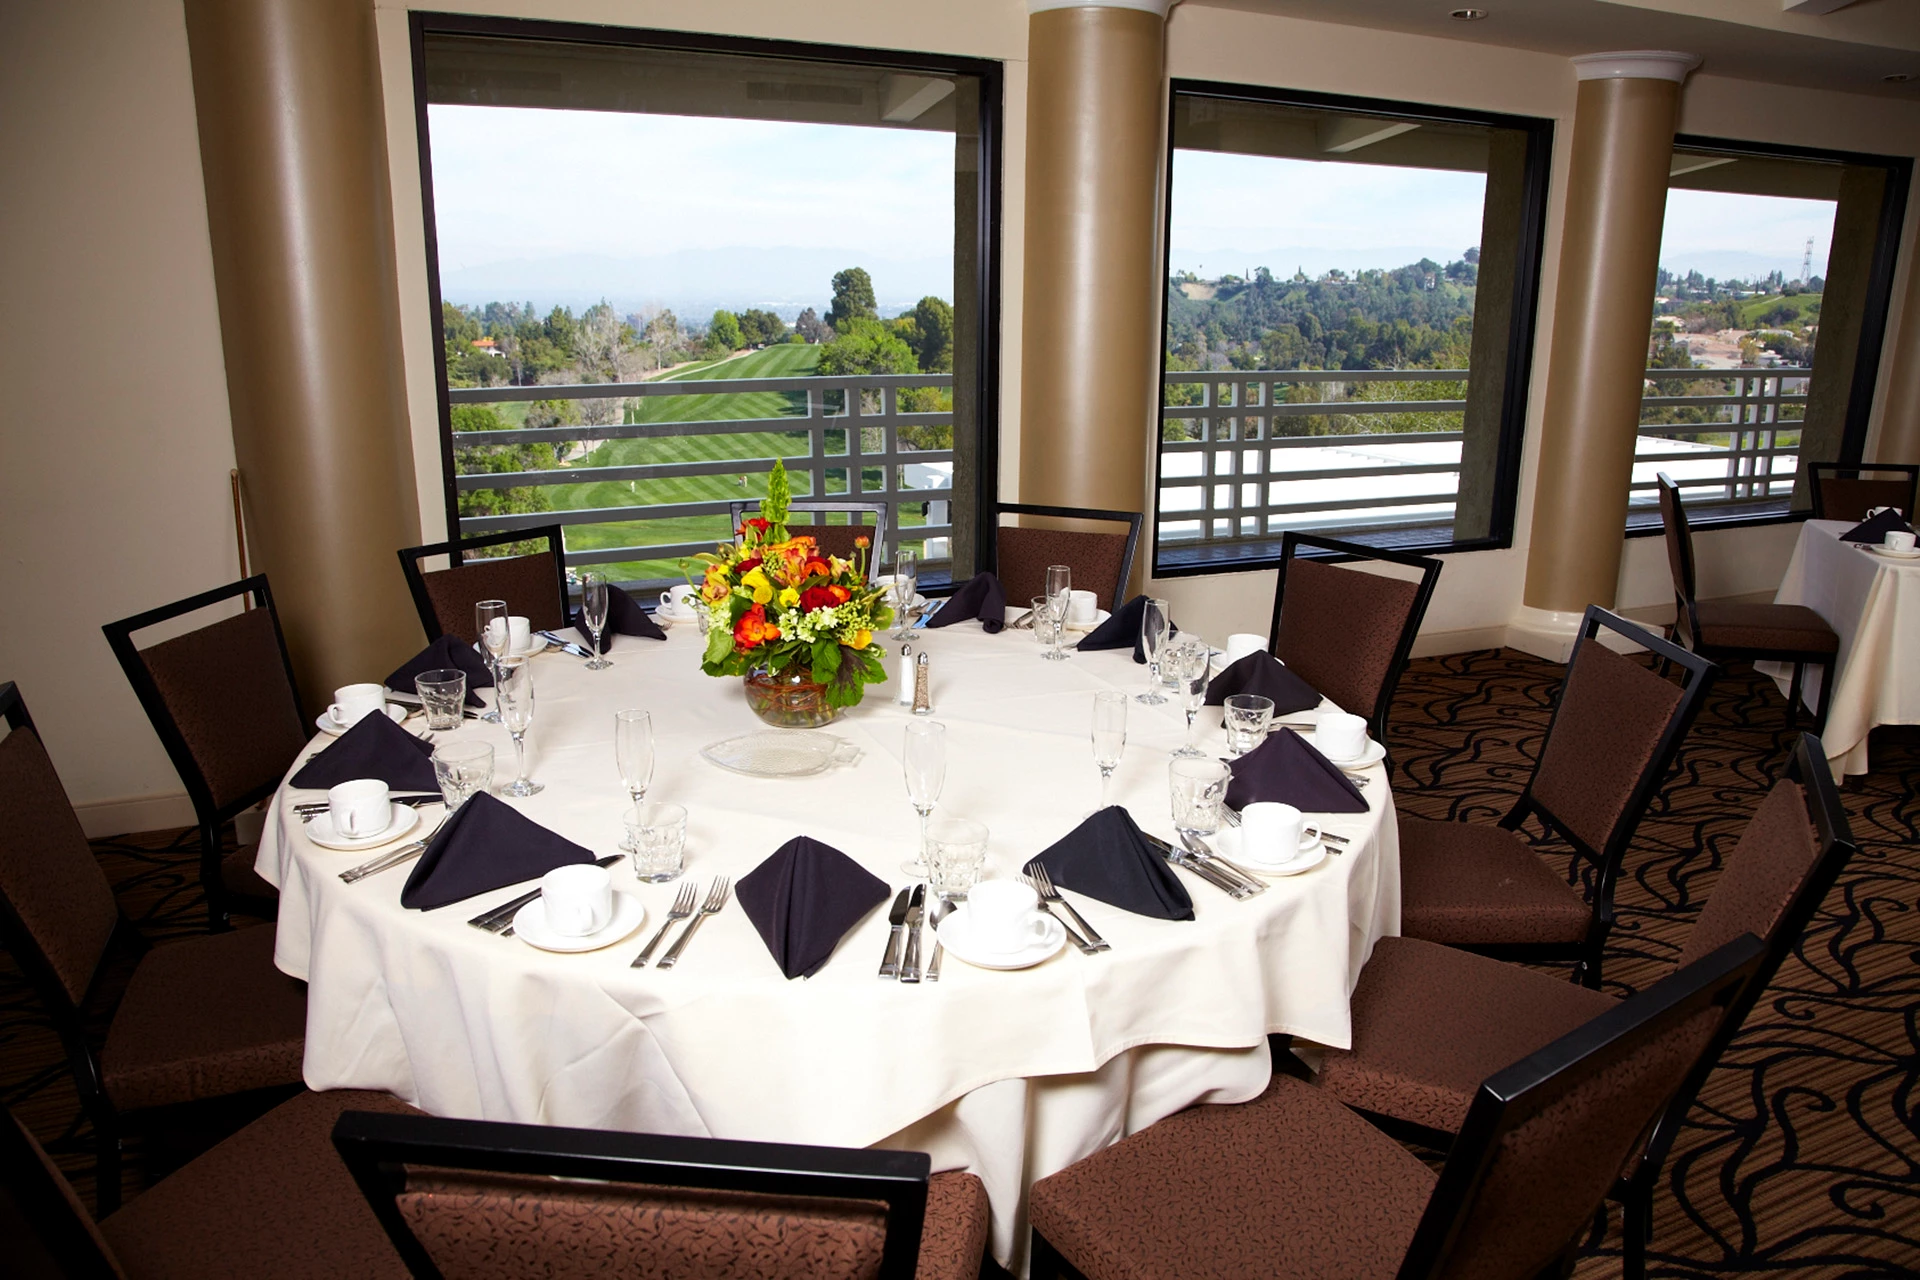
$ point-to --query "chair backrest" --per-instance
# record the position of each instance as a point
(1845, 493)
(1679, 536)
(1615, 728)
(48, 1232)
(1344, 631)
(534, 586)
(836, 539)
(1101, 562)
(1545, 1138)
(222, 698)
(480, 1200)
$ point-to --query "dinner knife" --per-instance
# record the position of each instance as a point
(498, 918)
(897, 918)
(1202, 854)
(916, 911)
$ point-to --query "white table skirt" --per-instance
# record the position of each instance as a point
(1011, 1075)
(1873, 605)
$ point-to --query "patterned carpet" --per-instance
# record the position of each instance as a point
(1803, 1155)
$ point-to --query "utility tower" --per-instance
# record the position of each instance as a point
(1806, 262)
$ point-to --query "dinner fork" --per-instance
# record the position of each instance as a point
(1043, 883)
(405, 853)
(682, 908)
(716, 899)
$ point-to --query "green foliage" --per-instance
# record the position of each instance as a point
(867, 346)
(497, 460)
(723, 333)
(761, 328)
(773, 507)
(929, 331)
(852, 299)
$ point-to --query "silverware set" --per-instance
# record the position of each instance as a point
(1050, 897)
(717, 894)
(310, 810)
(906, 918)
(500, 919)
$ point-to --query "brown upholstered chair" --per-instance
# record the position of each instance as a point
(1101, 562)
(223, 700)
(868, 519)
(534, 586)
(476, 1200)
(1744, 632)
(202, 1018)
(1430, 1022)
(1614, 732)
(270, 1201)
(1294, 1184)
(1845, 493)
(1346, 632)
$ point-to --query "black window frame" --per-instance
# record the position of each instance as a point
(1522, 330)
(989, 73)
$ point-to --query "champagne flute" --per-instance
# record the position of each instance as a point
(1109, 736)
(906, 582)
(1192, 657)
(516, 712)
(490, 620)
(1059, 598)
(924, 762)
(593, 612)
(633, 752)
(1155, 626)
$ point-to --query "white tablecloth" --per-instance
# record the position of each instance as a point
(1873, 605)
(1012, 1075)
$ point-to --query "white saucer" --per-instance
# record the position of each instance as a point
(1374, 754)
(1099, 616)
(326, 724)
(403, 819)
(1890, 553)
(537, 644)
(954, 937)
(1233, 847)
(530, 925)
(675, 615)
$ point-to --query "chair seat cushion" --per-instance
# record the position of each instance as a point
(204, 1018)
(1430, 1023)
(273, 1202)
(1290, 1184)
(954, 1240)
(1790, 628)
(238, 875)
(1464, 884)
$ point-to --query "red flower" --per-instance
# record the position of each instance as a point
(817, 567)
(756, 524)
(817, 598)
(747, 566)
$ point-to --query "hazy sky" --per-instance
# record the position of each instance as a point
(1701, 223)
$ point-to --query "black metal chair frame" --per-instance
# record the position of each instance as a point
(378, 1148)
(455, 550)
(1132, 519)
(1696, 675)
(1816, 471)
(1338, 550)
(210, 816)
(1686, 625)
(61, 1228)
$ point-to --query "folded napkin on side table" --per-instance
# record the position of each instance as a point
(803, 899)
(1287, 769)
(485, 845)
(1123, 629)
(1876, 528)
(1267, 676)
(624, 618)
(981, 597)
(444, 654)
(1107, 858)
(374, 748)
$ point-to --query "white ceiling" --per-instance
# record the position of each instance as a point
(1851, 49)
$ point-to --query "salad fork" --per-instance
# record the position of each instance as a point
(682, 908)
(1043, 883)
(716, 899)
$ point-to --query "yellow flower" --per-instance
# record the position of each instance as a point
(716, 587)
(789, 597)
(861, 639)
(756, 581)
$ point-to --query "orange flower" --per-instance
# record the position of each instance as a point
(862, 541)
(753, 630)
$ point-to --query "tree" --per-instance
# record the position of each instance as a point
(852, 299)
(762, 328)
(723, 333)
(597, 342)
(811, 327)
(867, 346)
(931, 335)
(496, 460)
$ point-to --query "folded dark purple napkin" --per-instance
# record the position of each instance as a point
(1264, 674)
(1876, 528)
(1107, 858)
(803, 899)
(1287, 769)
(624, 618)
(1123, 629)
(374, 748)
(485, 845)
(444, 654)
(982, 597)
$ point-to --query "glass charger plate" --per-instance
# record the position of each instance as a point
(781, 753)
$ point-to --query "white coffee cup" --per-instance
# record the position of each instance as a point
(677, 599)
(1899, 540)
(578, 899)
(352, 701)
(1340, 736)
(519, 635)
(1082, 606)
(1242, 643)
(360, 808)
(1005, 915)
(1271, 832)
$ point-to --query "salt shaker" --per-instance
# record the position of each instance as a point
(904, 693)
(922, 698)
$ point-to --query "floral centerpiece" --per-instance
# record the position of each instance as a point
(797, 623)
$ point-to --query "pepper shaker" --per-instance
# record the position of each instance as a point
(922, 698)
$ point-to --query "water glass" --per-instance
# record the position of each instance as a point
(464, 768)
(490, 623)
(443, 693)
(1047, 626)
(657, 835)
(516, 712)
(593, 612)
(1247, 717)
(1109, 736)
(923, 762)
(956, 856)
(1156, 624)
(1199, 788)
(1059, 602)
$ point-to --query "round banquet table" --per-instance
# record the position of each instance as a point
(1012, 1075)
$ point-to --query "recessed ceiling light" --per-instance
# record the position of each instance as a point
(1898, 77)
(1467, 15)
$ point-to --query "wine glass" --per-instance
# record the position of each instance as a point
(633, 751)
(1109, 735)
(906, 582)
(1155, 625)
(1059, 598)
(516, 712)
(593, 612)
(924, 762)
(490, 620)
(1192, 658)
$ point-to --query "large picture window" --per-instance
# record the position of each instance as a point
(659, 262)
(1349, 323)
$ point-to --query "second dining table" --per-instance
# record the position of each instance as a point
(1012, 1075)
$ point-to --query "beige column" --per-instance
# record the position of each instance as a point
(1609, 255)
(1090, 350)
(1898, 439)
(293, 146)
